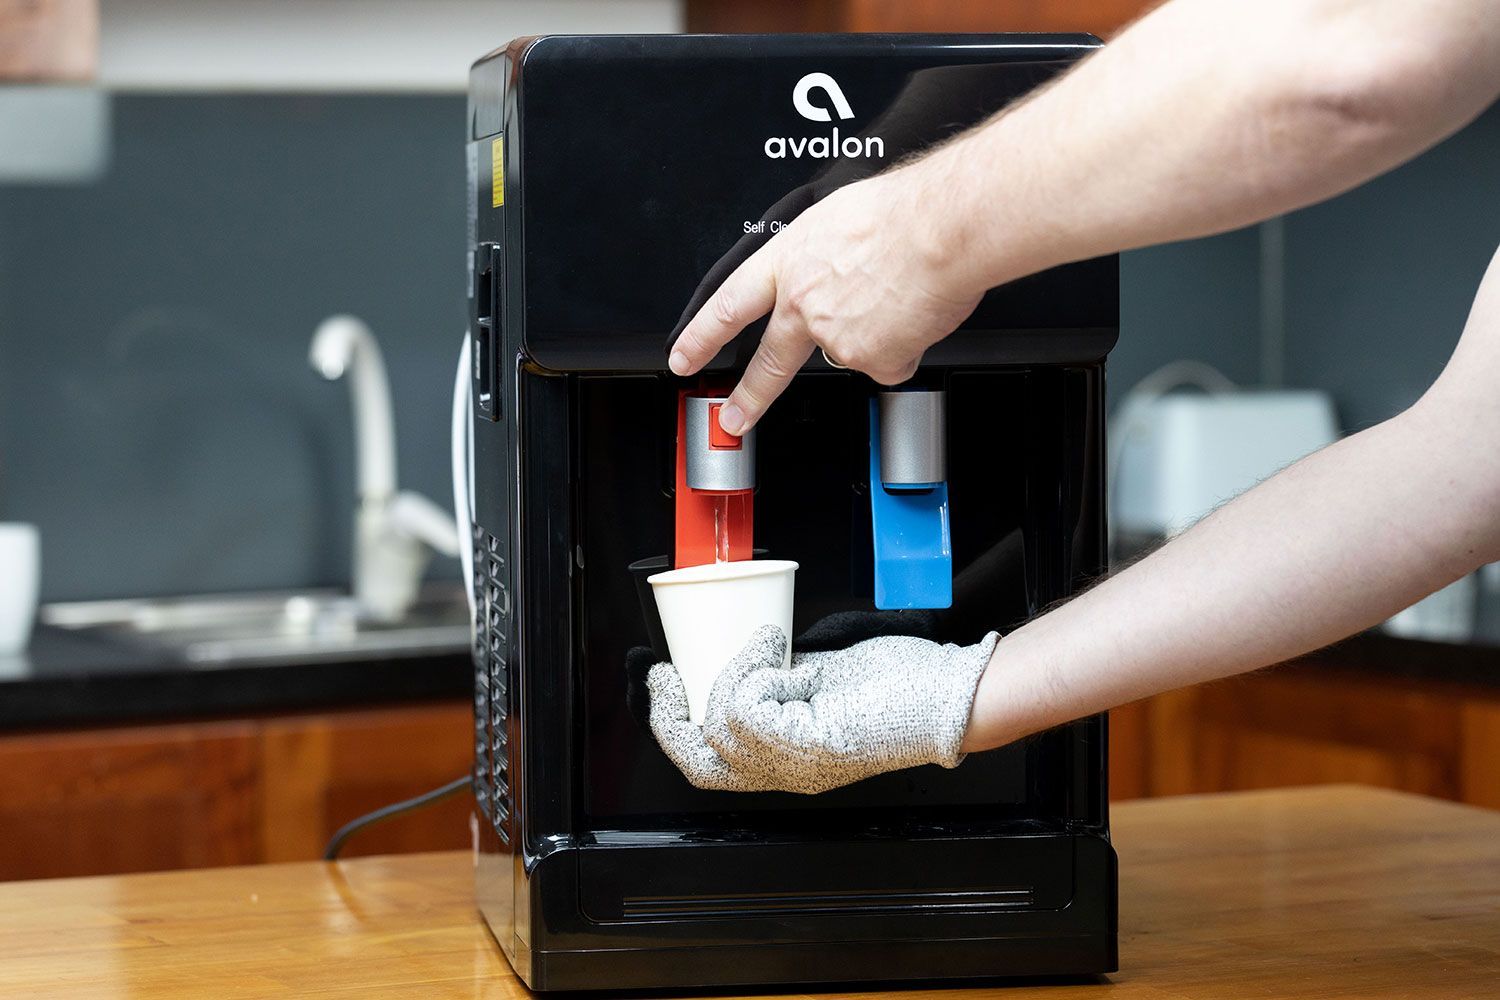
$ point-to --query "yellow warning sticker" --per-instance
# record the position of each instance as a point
(497, 172)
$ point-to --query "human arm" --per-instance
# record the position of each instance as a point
(1332, 545)
(1201, 117)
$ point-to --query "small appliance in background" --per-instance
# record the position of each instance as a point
(20, 582)
(614, 181)
(54, 134)
(1175, 456)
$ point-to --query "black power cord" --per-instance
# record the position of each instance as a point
(349, 829)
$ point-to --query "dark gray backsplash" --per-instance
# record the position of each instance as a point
(1379, 281)
(1198, 300)
(1377, 285)
(158, 417)
(159, 421)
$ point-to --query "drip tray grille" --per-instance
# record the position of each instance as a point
(780, 904)
(953, 877)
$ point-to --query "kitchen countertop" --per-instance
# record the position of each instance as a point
(1472, 664)
(66, 678)
(1333, 892)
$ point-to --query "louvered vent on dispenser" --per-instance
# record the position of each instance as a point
(494, 664)
(483, 790)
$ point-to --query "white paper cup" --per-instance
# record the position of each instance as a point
(20, 576)
(709, 612)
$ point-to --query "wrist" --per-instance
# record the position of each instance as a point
(932, 230)
(997, 716)
(984, 732)
(974, 212)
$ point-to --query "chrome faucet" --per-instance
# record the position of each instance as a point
(394, 532)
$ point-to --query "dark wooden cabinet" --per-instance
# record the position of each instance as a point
(320, 771)
(48, 39)
(116, 800)
(274, 788)
(1312, 723)
(236, 791)
(1101, 17)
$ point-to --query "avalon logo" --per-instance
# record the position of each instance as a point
(822, 147)
(829, 86)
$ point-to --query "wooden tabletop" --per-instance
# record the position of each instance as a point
(1306, 893)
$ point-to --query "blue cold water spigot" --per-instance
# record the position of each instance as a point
(909, 499)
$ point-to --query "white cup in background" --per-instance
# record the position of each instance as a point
(709, 612)
(20, 579)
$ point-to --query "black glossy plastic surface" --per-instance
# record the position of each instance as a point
(637, 163)
(813, 506)
(600, 867)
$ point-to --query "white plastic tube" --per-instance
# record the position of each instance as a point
(462, 452)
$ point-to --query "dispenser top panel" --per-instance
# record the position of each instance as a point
(638, 169)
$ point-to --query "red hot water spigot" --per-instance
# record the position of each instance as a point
(715, 484)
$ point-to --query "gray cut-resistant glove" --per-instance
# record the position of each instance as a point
(830, 719)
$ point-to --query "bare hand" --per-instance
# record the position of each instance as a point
(854, 275)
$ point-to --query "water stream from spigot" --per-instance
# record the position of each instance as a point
(721, 529)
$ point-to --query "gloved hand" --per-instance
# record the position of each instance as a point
(837, 631)
(830, 719)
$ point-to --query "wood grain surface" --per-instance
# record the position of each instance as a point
(207, 793)
(1312, 722)
(1335, 892)
(1102, 17)
(43, 40)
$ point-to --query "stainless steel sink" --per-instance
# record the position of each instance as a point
(234, 629)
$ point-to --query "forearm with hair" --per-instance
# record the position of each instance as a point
(1334, 544)
(1202, 117)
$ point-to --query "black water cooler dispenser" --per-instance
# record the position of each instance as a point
(612, 182)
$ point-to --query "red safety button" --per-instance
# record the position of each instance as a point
(718, 437)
